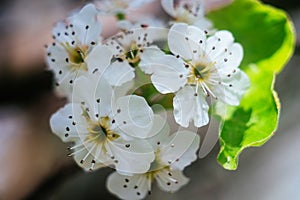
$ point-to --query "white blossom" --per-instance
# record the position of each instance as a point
(202, 66)
(191, 12)
(75, 39)
(105, 131)
(127, 46)
(172, 154)
(104, 125)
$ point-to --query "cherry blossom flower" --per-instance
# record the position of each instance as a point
(187, 11)
(127, 46)
(200, 67)
(105, 131)
(118, 87)
(75, 39)
(172, 154)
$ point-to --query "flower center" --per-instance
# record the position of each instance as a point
(129, 45)
(151, 174)
(157, 164)
(102, 130)
(77, 56)
(199, 73)
(133, 56)
(159, 170)
(99, 131)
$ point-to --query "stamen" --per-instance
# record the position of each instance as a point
(209, 91)
(197, 87)
(203, 88)
(76, 146)
(76, 152)
(149, 183)
(89, 152)
(139, 181)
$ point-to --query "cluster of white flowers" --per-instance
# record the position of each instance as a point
(107, 119)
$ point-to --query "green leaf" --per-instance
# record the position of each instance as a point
(263, 31)
(268, 38)
(253, 122)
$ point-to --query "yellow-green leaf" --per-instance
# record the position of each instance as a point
(268, 38)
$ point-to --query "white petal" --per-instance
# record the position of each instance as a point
(160, 132)
(189, 155)
(95, 93)
(133, 116)
(196, 39)
(234, 57)
(84, 90)
(188, 107)
(233, 86)
(124, 89)
(126, 153)
(168, 6)
(86, 24)
(159, 126)
(104, 94)
(152, 33)
(149, 57)
(56, 60)
(85, 15)
(64, 90)
(221, 49)
(201, 111)
(179, 144)
(119, 73)
(99, 58)
(66, 84)
(178, 42)
(226, 37)
(186, 41)
(220, 41)
(59, 31)
(171, 183)
(169, 74)
(230, 58)
(196, 34)
(125, 186)
(64, 123)
(211, 137)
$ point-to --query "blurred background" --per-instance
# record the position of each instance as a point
(33, 162)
